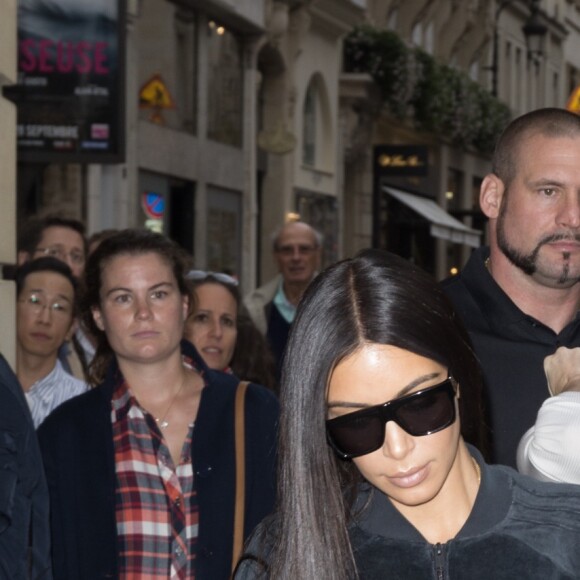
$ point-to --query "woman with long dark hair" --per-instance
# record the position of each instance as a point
(143, 471)
(380, 391)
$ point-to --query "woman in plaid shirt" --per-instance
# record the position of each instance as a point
(141, 469)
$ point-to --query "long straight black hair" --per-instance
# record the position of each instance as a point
(375, 297)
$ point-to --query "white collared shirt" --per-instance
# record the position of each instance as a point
(51, 391)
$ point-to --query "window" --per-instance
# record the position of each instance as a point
(430, 38)
(392, 19)
(225, 86)
(417, 34)
(317, 151)
(309, 127)
(186, 50)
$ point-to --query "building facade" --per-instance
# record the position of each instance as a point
(462, 36)
(242, 114)
(232, 125)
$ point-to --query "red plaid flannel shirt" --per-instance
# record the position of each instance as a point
(156, 503)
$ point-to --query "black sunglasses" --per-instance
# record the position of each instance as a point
(420, 413)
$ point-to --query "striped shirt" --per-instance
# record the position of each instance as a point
(51, 391)
(156, 503)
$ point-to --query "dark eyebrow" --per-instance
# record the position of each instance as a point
(63, 297)
(404, 391)
(154, 287)
(546, 182)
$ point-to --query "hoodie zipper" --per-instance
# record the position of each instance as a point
(439, 553)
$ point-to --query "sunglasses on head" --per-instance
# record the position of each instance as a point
(421, 413)
(202, 275)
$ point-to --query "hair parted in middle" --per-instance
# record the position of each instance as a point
(131, 242)
(376, 297)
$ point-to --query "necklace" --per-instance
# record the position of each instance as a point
(477, 469)
(486, 263)
(162, 421)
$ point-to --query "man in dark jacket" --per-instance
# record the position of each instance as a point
(520, 297)
(24, 528)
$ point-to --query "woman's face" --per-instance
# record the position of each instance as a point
(142, 310)
(411, 471)
(212, 327)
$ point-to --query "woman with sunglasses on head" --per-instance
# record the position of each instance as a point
(380, 390)
(222, 331)
(144, 472)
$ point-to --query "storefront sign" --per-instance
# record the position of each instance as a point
(70, 80)
(400, 160)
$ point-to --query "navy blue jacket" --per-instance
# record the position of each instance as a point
(77, 447)
(23, 492)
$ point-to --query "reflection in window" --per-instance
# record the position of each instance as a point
(309, 128)
(225, 86)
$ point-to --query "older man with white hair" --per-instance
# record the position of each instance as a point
(297, 250)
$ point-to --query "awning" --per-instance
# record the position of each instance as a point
(443, 225)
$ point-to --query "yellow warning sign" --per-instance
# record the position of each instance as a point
(155, 95)
(574, 101)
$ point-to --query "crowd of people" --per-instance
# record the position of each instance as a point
(360, 422)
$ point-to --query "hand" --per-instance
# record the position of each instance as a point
(563, 370)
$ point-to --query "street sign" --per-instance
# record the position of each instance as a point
(153, 204)
(155, 95)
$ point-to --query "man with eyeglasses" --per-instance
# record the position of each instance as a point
(63, 239)
(297, 251)
(57, 237)
(44, 320)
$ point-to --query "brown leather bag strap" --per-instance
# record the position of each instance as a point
(239, 430)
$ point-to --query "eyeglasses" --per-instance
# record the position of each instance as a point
(303, 250)
(36, 303)
(200, 275)
(76, 256)
(421, 413)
